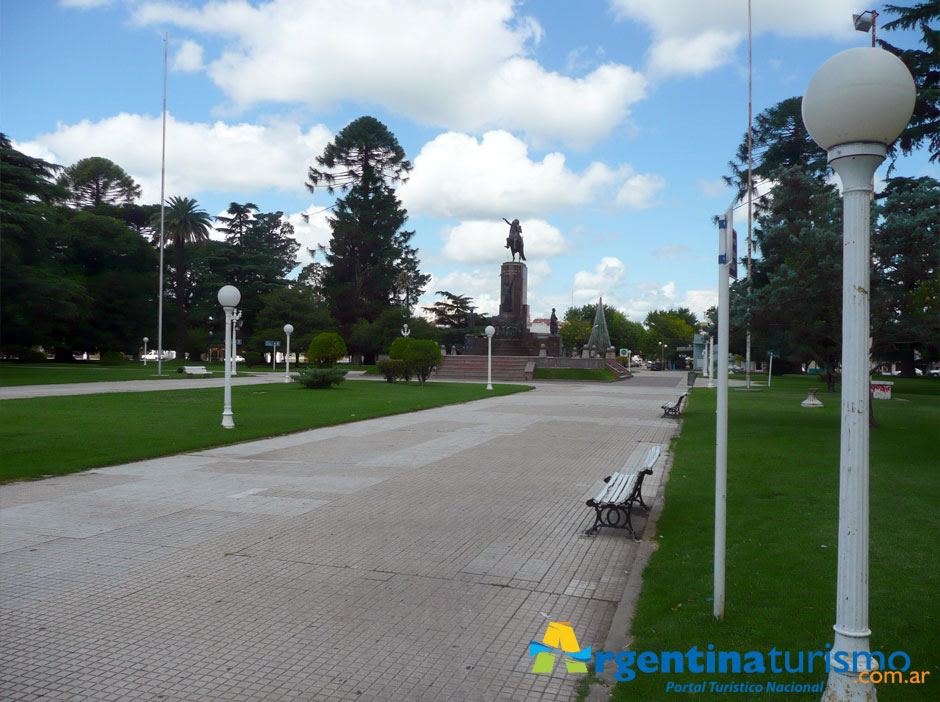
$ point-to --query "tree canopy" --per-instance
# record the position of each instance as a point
(98, 181)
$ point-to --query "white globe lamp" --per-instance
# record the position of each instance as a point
(856, 104)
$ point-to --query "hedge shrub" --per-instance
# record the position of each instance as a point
(253, 358)
(112, 358)
(392, 369)
(326, 349)
(319, 378)
(421, 357)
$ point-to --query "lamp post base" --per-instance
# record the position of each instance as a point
(228, 419)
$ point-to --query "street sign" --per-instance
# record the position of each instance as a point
(272, 343)
(624, 352)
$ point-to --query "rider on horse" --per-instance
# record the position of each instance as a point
(514, 240)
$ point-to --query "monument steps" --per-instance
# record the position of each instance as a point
(474, 367)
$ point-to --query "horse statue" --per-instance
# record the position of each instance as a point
(514, 241)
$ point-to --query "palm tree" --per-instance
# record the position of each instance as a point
(184, 222)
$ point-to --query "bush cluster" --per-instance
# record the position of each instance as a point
(112, 358)
(319, 378)
(326, 349)
(253, 358)
(23, 354)
(407, 357)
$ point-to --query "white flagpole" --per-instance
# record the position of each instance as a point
(166, 38)
(721, 424)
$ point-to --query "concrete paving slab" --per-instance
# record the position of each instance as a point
(403, 558)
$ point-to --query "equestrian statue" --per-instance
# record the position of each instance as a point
(514, 240)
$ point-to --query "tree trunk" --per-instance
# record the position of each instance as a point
(180, 300)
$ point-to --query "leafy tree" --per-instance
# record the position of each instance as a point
(779, 140)
(184, 223)
(38, 300)
(369, 250)
(298, 305)
(905, 284)
(670, 327)
(421, 357)
(262, 252)
(797, 295)
(575, 331)
(453, 311)
(97, 181)
(924, 65)
(326, 349)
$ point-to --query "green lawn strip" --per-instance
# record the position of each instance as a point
(573, 374)
(783, 484)
(58, 435)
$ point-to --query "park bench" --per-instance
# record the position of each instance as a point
(190, 371)
(613, 504)
(674, 409)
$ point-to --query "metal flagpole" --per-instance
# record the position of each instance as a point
(750, 184)
(725, 251)
(166, 38)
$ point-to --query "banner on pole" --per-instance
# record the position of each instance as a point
(728, 243)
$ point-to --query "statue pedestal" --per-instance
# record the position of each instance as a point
(513, 294)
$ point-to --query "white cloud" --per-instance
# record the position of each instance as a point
(652, 295)
(692, 37)
(312, 232)
(714, 188)
(458, 175)
(84, 4)
(639, 190)
(484, 241)
(188, 57)
(602, 281)
(675, 252)
(201, 157)
(464, 66)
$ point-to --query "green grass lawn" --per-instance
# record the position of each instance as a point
(783, 483)
(573, 374)
(57, 435)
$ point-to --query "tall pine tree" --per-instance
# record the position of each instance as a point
(369, 251)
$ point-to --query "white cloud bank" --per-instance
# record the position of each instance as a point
(484, 241)
(201, 157)
(458, 175)
(692, 37)
(462, 66)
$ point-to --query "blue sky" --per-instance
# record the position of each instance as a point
(604, 126)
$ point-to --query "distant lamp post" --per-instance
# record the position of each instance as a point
(146, 339)
(662, 356)
(405, 331)
(856, 104)
(229, 297)
(288, 329)
(489, 356)
(866, 21)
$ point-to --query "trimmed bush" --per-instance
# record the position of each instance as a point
(326, 349)
(63, 354)
(397, 353)
(24, 354)
(112, 358)
(392, 369)
(253, 358)
(421, 357)
(319, 378)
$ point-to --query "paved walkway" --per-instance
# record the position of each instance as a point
(13, 392)
(404, 558)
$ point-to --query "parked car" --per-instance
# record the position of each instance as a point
(654, 366)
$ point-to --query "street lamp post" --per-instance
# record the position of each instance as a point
(856, 104)
(146, 339)
(490, 330)
(288, 329)
(229, 297)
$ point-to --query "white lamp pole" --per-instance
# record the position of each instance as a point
(489, 356)
(236, 318)
(288, 329)
(856, 104)
(229, 297)
(146, 339)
